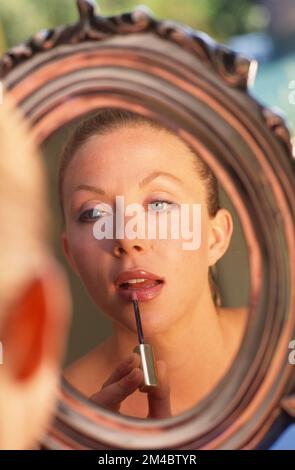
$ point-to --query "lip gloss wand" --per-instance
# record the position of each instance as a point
(144, 350)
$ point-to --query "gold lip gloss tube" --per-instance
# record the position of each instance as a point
(147, 361)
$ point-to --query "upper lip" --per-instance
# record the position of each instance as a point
(136, 274)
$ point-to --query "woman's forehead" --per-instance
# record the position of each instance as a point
(120, 160)
(140, 146)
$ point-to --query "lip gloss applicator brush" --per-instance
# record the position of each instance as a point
(144, 350)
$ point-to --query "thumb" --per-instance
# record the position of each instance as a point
(159, 397)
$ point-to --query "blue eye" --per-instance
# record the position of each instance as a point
(95, 214)
(162, 203)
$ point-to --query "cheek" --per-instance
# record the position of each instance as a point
(188, 267)
(183, 268)
(92, 261)
(87, 253)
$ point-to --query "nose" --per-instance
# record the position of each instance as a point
(127, 246)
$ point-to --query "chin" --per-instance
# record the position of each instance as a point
(155, 326)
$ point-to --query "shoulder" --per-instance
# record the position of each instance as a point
(88, 373)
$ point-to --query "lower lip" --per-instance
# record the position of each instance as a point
(143, 294)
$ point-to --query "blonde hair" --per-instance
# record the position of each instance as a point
(24, 216)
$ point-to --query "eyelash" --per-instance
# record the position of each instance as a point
(170, 203)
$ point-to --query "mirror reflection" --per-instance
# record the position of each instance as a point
(153, 248)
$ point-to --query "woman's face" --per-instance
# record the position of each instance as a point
(116, 163)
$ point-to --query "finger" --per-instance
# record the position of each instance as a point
(123, 369)
(112, 395)
(159, 397)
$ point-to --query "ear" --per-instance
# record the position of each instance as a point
(67, 252)
(220, 232)
(35, 332)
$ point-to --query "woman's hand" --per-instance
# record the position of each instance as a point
(159, 397)
(128, 377)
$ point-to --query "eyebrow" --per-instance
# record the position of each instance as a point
(147, 179)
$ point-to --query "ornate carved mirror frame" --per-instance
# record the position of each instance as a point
(200, 89)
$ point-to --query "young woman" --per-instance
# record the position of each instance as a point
(119, 153)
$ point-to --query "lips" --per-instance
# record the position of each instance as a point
(146, 285)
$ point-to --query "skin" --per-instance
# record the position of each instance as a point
(194, 341)
(34, 293)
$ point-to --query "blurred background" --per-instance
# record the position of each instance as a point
(261, 29)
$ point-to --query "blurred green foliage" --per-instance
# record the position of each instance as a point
(20, 19)
(221, 19)
(274, 85)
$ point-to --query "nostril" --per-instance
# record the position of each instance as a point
(119, 250)
(138, 248)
